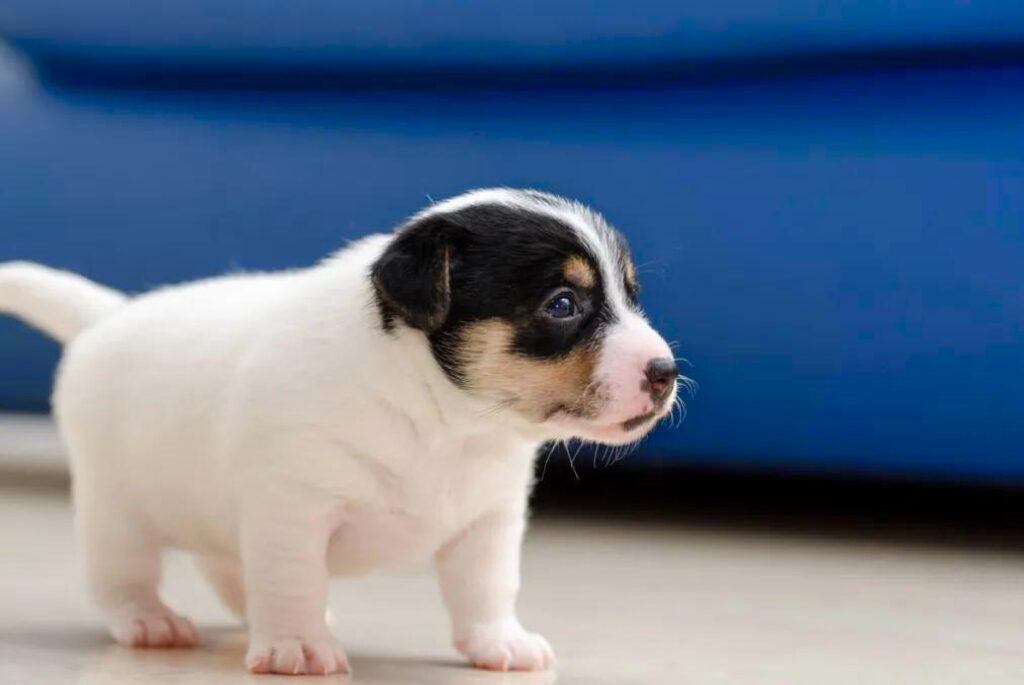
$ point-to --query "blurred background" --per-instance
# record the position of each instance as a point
(825, 199)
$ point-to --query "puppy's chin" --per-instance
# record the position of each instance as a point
(618, 433)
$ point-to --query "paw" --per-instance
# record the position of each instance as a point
(296, 656)
(505, 646)
(151, 626)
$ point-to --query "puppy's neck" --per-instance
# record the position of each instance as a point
(433, 399)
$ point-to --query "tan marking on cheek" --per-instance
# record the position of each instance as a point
(534, 387)
(578, 272)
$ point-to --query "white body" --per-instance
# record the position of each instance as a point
(230, 417)
(271, 425)
(189, 401)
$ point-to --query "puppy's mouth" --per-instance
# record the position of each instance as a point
(617, 433)
(630, 425)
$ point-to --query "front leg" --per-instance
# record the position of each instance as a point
(284, 549)
(479, 574)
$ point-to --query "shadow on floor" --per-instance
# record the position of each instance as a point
(888, 511)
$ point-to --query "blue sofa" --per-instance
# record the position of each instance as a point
(827, 199)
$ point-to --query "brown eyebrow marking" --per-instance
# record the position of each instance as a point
(579, 272)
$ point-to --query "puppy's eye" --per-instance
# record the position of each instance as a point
(562, 306)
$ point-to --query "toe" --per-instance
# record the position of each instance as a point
(288, 659)
(259, 660)
(506, 647)
(527, 655)
(323, 659)
(296, 657)
(159, 632)
(185, 634)
(332, 656)
(315, 662)
(151, 627)
(138, 635)
(495, 657)
(543, 655)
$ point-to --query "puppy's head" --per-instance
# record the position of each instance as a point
(529, 302)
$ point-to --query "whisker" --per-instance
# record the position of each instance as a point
(625, 451)
(676, 420)
(691, 385)
(651, 268)
(547, 458)
(634, 448)
(572, 460)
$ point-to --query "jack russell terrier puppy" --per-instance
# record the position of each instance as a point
(385, 406)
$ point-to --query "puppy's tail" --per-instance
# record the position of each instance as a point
(59, 303)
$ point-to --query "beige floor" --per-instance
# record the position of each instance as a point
(622, 605)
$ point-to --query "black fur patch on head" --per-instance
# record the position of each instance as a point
(411, 278)
(507, 266)
(493, 261)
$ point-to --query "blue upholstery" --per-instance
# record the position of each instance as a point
(532, 34)
(840, 255)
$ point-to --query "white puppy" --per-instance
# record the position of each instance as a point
(382, 407)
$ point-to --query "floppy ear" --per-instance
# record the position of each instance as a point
(412, 277)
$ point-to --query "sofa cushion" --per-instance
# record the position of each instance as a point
(842, 267)
(538, 35)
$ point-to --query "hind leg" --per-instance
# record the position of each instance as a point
(225, 576)
(122, 567)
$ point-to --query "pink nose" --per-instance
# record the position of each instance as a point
(661, 375)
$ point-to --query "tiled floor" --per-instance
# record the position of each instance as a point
(622, 605)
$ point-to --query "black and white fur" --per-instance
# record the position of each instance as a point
(382, 407)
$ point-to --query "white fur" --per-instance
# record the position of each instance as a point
(57, 302)
(629, 345)
(268, 424)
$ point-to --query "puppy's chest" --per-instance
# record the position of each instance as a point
(422, 506)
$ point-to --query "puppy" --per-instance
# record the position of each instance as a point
(382, 407)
